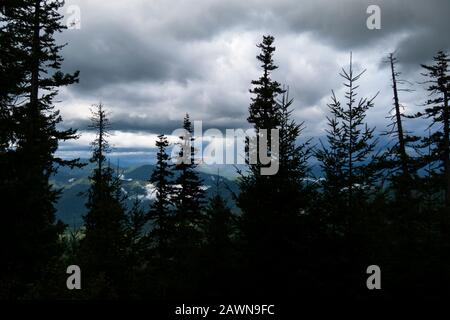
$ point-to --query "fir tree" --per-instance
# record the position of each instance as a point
(103, 249)
(401, 167)
(264, 112)
(219, 225)
(271, 204)
(348, 186)
(437, 109)
(135, 233)
(219, 231)
(33, 60)
(293, 158)
(429, 231)
(188, 219)
(397, 125)
(161, 211)
(189, 194)
(347, 159)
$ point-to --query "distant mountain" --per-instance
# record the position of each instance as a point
(75, 183)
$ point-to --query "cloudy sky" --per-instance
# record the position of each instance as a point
(151, 61)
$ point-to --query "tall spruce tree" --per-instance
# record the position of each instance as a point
(219, 228)
(161, 211)
(401, 214)
(271, 204)
(188, 199)
(347, 157)
(437, 109)
(293, 162)
(189, 194)
(400, 165)
(264, 111)
(11, 80)
(348, 187)
(219, 231)
(436, 182)
(33, 60)
(103, 247)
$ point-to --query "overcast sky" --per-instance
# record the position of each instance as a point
(151, 61)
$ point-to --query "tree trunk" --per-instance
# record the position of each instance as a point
(401, 138)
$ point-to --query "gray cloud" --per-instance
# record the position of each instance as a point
(150, 62)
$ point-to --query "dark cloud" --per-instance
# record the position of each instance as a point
(150, 62)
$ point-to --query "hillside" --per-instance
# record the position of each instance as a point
(75, 183)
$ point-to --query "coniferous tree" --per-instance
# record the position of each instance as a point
(189, 194)
(264, 111)
(136, 257)
(11, 79)
(403, 229)
(435, 183)
(293, 158)
(161, 211)
(271, 204)
(347, 159)
(348, 186)
(219, 231)
(219, 226)
(29, 28)
(437, 109)
(103, 249)
(400, 165)
(135, 224)
(188, 200)
(259, 221)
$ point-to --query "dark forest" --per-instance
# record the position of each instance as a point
(377, 207)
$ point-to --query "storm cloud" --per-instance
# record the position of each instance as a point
(150, 62)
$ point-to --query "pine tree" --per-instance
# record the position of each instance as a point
(104, 245)
(136, 221)
(348, 208)
(189, 194)
(188, 199)
(34, 61)
(272, 204)
(11, 79)
(432, 238)
(400, 166)
(437, 109)
(293, 158)
(347, 159)
(397, 130)
(404, 192)
(219, 225)
(161, 211)
(219, 231)
(264, 112)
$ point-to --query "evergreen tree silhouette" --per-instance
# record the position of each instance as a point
(348, 187)
(161, 211)
(219, 249)
(264, 112)
(431, 232)
(437, 109)
(401, 166)
(29, 29)
(188, 198)
(136, 222)
(347, 159)
(103, 247)
(189, 194)
(271, 204)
